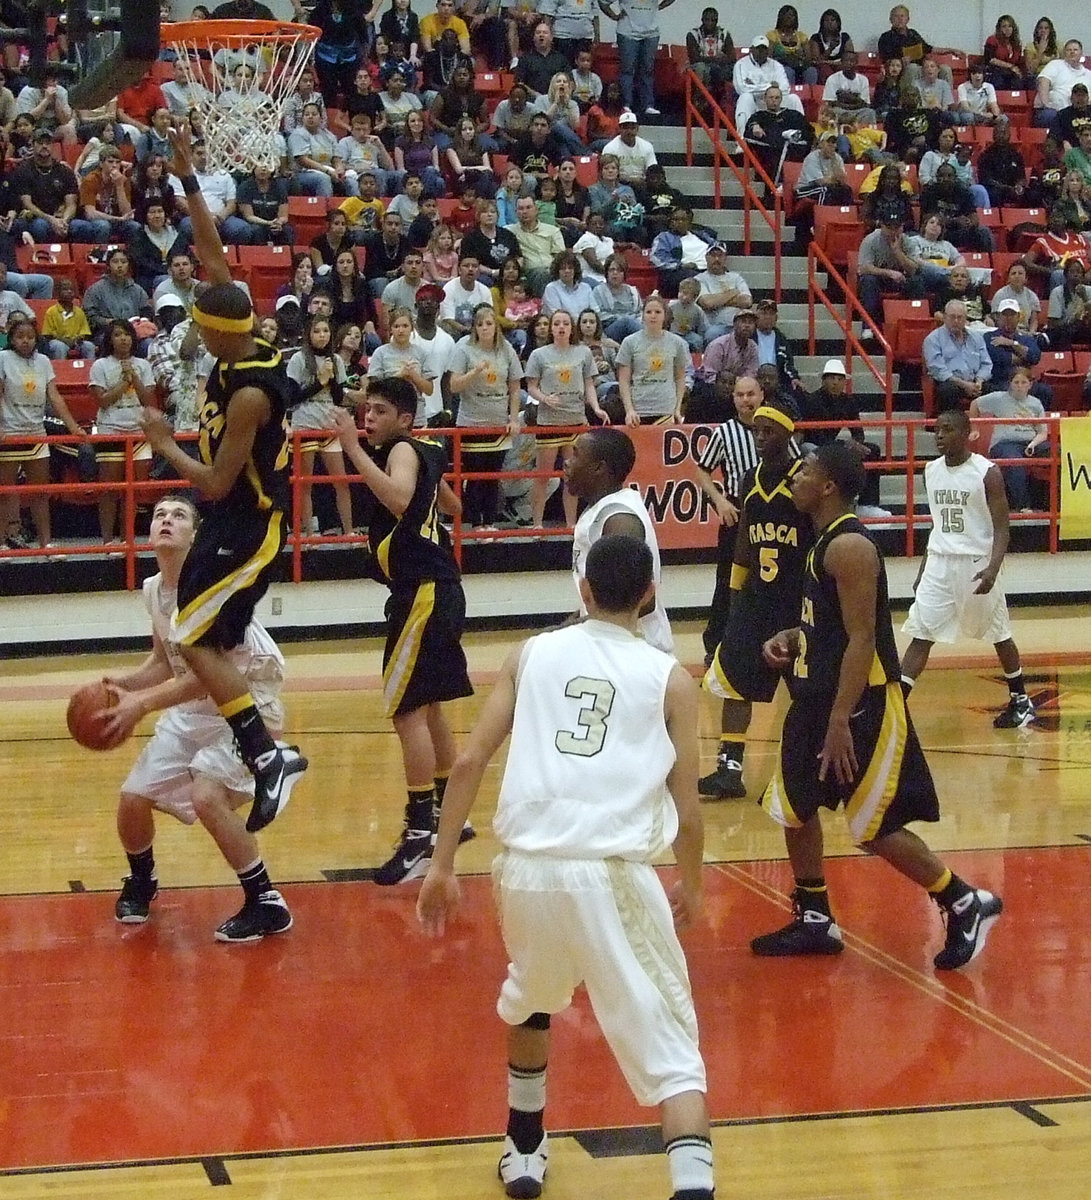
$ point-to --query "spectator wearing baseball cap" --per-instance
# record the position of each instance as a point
(773, 348)
(634, 154)
(724, 293)
(753, 73)
(1009, 349)
(832, 402)
(1073, 117)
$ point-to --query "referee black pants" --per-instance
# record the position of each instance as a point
(721, 596)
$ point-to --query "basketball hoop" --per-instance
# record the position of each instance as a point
(243, 72)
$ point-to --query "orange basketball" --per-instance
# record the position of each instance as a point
(84, 724)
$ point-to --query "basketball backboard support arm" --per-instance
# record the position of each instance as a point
(128, 63)
(36, 39)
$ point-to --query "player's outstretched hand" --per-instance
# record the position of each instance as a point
(156, 428)
(182, 145)
(438, 900)
(685, 905)
(345, 424)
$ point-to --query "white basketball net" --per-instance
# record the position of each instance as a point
(240, 82)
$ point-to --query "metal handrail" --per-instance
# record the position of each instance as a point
(721, 123)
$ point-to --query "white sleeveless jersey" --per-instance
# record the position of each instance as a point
(654, 626)
(961, 521)
(258, 659)
(590, 754)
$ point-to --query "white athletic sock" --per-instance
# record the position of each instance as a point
(526, 1089)
(690, 1161)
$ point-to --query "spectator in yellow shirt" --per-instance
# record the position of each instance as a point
(443, 18)
(65, 325)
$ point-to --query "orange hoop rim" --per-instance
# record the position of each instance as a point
(211, 33)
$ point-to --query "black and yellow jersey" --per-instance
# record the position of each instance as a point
(774, 540)
(263, 481)
(822, 636)
(414, 547)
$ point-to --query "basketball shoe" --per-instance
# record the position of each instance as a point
(1018, 715)
(968, 923)
(268, 914)
(275, 774)
(522, 1174)
(134, 903)
(411, 858)
(725, 783)
(810, 931)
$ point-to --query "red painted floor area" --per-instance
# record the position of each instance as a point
(122, 1043)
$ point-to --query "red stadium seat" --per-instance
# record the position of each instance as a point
(906, 323)
(72, 377)
(837, 230)
(53, 259)
(307, 215)
(1013, 217)
(587, 169)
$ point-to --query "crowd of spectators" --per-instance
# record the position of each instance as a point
(533, 259)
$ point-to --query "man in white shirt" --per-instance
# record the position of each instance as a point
(435, 347)
(593, 248)
(848, 92)
(461, 296)
(753, 73)
(634, 154)
(723, 293)
(1056, 80)
(975, 100)
(218, 189)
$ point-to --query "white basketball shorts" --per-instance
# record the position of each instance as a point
(607, 925)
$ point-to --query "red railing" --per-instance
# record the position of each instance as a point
(722, 124)
(817, 294)
(134, 491)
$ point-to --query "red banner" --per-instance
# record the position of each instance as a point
(666, 477)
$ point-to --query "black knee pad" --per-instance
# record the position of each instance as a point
(537, 1021)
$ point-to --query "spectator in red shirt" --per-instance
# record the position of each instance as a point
(136, 104)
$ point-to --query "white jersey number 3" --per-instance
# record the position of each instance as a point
(597, 699)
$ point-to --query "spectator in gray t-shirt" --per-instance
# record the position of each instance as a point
(885, 267)
(651, 369)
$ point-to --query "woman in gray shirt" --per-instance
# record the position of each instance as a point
(561, 378)
(651, 369)
(27, 381)
(485, 374)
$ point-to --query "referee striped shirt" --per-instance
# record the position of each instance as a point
(730, 449)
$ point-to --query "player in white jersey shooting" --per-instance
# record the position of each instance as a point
(957, 592)
(601, 777)
(190, 768)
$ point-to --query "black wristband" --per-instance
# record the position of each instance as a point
(189, 184)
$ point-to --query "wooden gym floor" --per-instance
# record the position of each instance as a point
(351, 1057)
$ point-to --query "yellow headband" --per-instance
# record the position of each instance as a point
(223, 324)
(774, 414)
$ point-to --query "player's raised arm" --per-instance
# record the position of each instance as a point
(206, 237)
